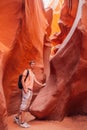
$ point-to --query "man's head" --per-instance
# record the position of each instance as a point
(32, 64)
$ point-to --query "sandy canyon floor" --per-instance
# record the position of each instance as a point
(69, 123)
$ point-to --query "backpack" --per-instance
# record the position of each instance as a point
(20, 86)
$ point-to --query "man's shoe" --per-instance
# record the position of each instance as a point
(16, 120)
(24, 125)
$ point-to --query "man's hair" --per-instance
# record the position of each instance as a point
(31, 62)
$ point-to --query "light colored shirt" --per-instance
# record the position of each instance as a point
(29, 83)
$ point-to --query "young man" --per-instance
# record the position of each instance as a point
(27, 93)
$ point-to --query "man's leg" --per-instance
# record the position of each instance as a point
(24, 105)
(22, 116)
(23, 123)
(17, 118)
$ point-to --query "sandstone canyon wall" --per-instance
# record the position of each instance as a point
(25, 28)
(66, 89)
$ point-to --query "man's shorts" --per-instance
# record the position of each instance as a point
(26, 99)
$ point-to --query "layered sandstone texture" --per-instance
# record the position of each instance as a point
(25, 28)
(66, 88)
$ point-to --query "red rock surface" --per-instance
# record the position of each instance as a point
(52, 101)
(66, 89)
(3, 110)
(24, 35)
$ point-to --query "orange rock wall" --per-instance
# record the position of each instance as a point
(66, 89)
(3, 110)
(23, 27)
(24, 35)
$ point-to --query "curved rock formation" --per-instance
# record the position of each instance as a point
(3, 110)
(66, 85)
(51, 102)
(24, 24)
(25, 28)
